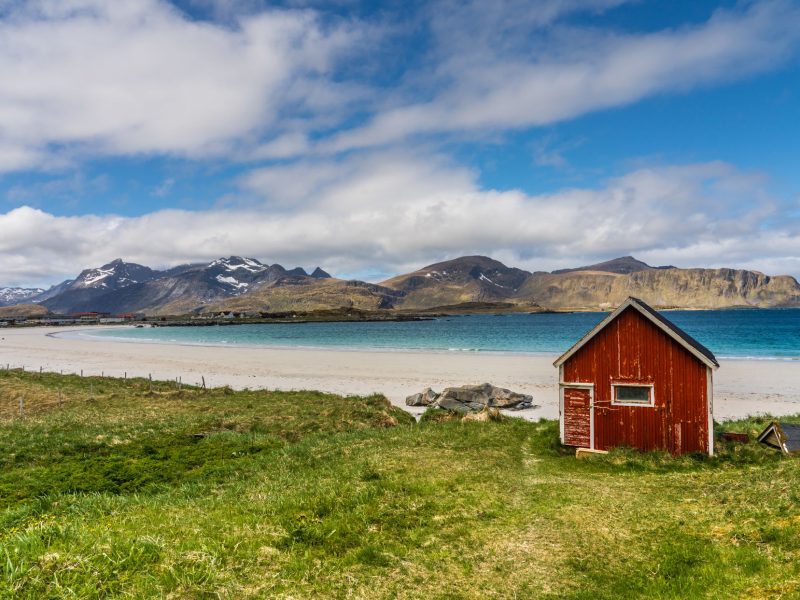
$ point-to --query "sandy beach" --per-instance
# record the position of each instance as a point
(741, 387)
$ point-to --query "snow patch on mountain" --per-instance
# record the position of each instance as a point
(16, 295)
(92, 278)
(235, 263)
(233, 282)
(483, 277)
(116, 274)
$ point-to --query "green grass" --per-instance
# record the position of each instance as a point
(120, 491)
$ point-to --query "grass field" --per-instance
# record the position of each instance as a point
(111, 489)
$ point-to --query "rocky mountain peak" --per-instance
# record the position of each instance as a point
(474, 278)
(17, 295)
(113, 275)
(624, 265)
(235, 263)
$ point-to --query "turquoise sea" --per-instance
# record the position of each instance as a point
(763, 334)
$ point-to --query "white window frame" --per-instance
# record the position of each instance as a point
(615, 384)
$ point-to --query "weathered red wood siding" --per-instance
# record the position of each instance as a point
(631, 349)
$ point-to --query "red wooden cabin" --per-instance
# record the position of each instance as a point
(637, 380)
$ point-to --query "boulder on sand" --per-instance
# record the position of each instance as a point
(476, 397)
(455, 405)
(468, 398)
(503, 398)
(426, 398)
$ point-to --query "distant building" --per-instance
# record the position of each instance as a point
(91, 315)
(58, 321)
(637, 380)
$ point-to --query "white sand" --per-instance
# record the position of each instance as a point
(742, 387)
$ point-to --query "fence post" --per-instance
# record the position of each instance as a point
(204, 381)
(21, 406)
(151, 381)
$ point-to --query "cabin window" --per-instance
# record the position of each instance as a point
(633, 394)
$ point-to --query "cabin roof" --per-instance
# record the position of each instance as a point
(783, 436)
(700, 352)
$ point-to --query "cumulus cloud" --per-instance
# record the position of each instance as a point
(134, 77)
(401, 211)
(492, 73)
(88, 78)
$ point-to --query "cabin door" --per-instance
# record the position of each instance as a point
(578, 417)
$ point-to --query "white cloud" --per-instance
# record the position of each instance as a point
(87, 78)
(137, 76)
(397, 211)
(500, 76)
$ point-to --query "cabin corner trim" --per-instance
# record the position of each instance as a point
(710, 402)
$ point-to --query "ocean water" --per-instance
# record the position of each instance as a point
(763, 334)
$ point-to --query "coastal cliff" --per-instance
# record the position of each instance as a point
(679, 288)
(595, 287)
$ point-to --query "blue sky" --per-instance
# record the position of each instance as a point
(372, 138)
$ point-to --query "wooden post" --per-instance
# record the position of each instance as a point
(21, 406)
(60, 398)
(204, 381)
(81, 372)
(151, 382)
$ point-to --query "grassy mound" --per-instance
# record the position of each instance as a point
(110, 489)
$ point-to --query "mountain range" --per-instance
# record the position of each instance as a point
(248, 285)
(10, 296)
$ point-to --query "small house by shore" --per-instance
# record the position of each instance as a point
(637, 380)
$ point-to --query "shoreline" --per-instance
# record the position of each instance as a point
(742, 386)
(294, 347)
(85, 335)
